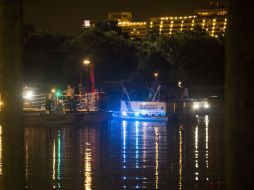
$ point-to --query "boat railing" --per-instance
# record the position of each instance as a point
(81, 102)
(34, 103)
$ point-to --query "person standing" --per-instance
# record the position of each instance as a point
(70, 96)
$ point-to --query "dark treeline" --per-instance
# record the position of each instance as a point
(190, 56)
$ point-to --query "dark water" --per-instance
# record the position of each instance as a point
(126, 155)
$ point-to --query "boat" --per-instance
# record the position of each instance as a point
(80, 118)
(150, 110)
(77, 110)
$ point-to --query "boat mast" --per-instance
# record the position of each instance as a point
(156, 93)
(128, 103)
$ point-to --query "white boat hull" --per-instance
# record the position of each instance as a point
(141, 118)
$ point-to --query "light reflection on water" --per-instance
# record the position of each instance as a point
(124, 155)
(141, 143)
(196, 153)
(88, 167)
(180, 157)
(0, 150)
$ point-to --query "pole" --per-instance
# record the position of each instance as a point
(92, 77)
(11, 64)
(80, 81)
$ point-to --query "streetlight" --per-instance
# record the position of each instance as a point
(87, 62)
(179, 84)
(156, 76)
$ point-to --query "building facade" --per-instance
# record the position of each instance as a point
(124, 19)
(213, 19)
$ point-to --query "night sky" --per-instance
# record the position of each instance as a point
(65, 16)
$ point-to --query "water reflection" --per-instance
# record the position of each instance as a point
(0, 150)
(141, 143)
(90, 146)
(206, 144)
(124, 155)
(156, 130)
(196, 153)
(88, 167)
(54, 164)
(56, 160)
(180, 157)
(201, 152)
(26, 159)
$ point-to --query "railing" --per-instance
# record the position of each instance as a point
(35, 103)
(85, 102)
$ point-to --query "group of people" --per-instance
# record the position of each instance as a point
(55, 104)
(67, 101)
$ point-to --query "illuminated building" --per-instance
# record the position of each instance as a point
(87, 24)
(120, 16)
(124, 19)
(134, 29)
(213, 19)
(169, 25)
(215, 9)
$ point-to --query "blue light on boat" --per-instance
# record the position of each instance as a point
(124, 113)
(136, 114)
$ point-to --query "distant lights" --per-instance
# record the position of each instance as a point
(196, 106)
(169, 25)
(206, 105)
(28, 95)
(201, 105)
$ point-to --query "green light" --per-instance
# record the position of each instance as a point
(58, 93)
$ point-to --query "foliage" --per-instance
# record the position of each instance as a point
(44, 56)
(191, 56)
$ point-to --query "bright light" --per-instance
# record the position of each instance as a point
(180, 84)
(1, 103)
(124, 113)
(196, 105)
(86, 23)
(58, 93)
(136, 114)
(53, 90)
(206, 105)
(28, 95)
(156, 74)
(86, 62)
